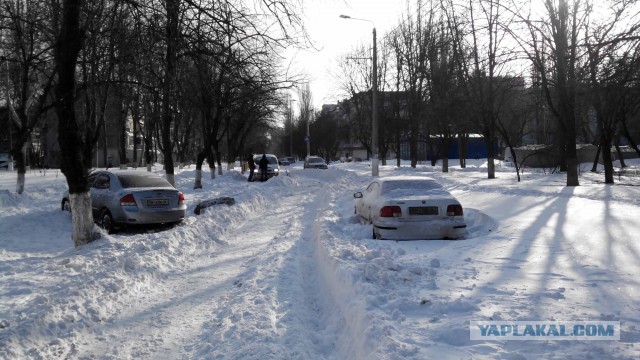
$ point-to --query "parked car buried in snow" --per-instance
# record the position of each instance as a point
(273, 169)
(410, 208)
(314, 162)
(130, 197)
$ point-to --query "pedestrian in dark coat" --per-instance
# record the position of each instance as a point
(263, 168)
(252, 166)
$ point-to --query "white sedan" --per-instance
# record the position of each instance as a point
(410, 208)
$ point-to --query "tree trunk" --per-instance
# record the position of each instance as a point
(212, 163)
(122, 139)
(199, 161)
(81, 215)
(105, 153)
(413, 146)
(21, 167)
(198, 181)
(605, 143)
(445, 155)
(607, 161)
(68, 44)
(515, 161)
(491, 164)
(616, 143)
(398, 156)
(572, 162)
(594, 168)
(627, 135)
(462, 149)
(21, 181)
(169, 80)
(432, 154)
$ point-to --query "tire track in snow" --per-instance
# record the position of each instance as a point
(280, 308)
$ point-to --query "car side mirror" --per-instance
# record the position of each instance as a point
(357, 195)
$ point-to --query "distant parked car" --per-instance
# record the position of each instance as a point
(314, 162)
(410, 208)
(273, 169)
(291, 159)
(284, 162)
(129, 197)
(4, 160)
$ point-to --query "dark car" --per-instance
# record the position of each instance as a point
(315, 162)
(4, 161)
(131, 197)
(273, 169)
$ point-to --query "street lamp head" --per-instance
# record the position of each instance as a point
(345, 16)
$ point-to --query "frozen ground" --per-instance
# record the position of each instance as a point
(289, 273)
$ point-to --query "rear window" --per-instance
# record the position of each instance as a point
(271, 159)
(316, 160)
(133, 181)
(418, 185)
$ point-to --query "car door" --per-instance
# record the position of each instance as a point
(99, 193)
(369, 197)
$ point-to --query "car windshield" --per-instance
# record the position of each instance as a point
(272, 159)
(134, 181)
(316, 160)
(413, 185)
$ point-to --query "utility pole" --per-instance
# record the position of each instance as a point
(308, 137)
(290, 127)
(374, 116)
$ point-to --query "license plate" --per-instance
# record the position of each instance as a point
(157, 202)
(423, 210)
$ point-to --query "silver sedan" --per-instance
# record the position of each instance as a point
(409, 208)
(129, 197)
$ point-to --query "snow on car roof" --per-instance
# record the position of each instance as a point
(410, 185)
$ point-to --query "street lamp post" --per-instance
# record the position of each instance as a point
(308, 138)
(307, 118)
(291, 127)
(374, 101)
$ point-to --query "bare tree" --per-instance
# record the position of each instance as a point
(553, 48)
(27, 72)
(413, 37)
(72, 146)
(613, 47)
(354, 77)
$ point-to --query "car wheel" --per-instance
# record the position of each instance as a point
(106, 221)
(66, 206)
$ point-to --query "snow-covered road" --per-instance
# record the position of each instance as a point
(259, 289)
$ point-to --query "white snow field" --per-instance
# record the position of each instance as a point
(289, 272)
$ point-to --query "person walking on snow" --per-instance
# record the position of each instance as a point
(252, 166)
(263, 168)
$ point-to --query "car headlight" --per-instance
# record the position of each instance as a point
(276, 170)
